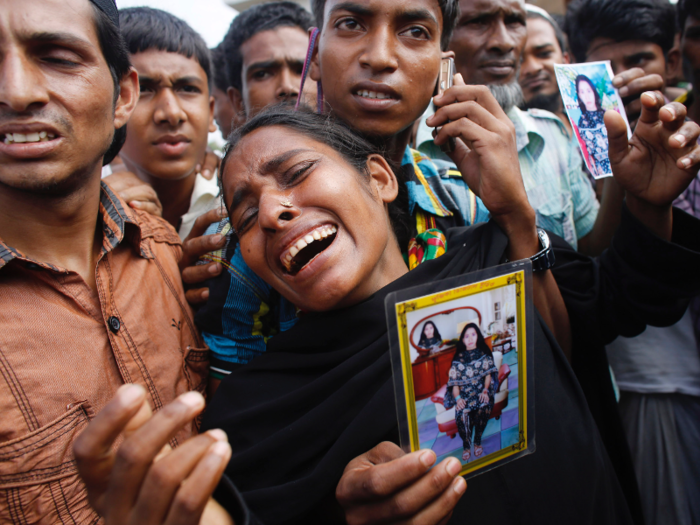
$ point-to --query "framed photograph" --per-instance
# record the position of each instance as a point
(461, 373)
(587, 92)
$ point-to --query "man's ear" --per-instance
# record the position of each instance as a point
(128, 97)
(566, 59)
(382, 178)
(673, 64)
(448, 54)
(315, 67)
(212, 125)
(236, 100)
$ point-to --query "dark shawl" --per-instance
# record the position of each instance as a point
(323, 392)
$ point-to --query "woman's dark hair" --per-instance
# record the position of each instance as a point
(117, 57)
(259, 18)
(480, 341)
(436, 333)
(620, 20)
(145, 28)
(584, 78)
(449, 9)
(333, 133)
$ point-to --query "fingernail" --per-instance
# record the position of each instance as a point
(616, 81)
(192, 399)
(223, 213)
(459, 486)
(206, 173)
(680, 139)
(218, 434)
(129, 394)
(214, 268)
(686, 162)
(221, 449)
(453, 466)
(217, 239)
(624, 91)
(205, 294)
(427, 458)
(135, 204)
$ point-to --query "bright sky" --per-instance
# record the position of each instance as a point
(210, 18)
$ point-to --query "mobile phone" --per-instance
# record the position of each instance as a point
(445, 80)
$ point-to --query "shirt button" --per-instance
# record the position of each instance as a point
(114, 324)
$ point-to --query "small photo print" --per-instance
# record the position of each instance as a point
(588, 92)
(464, 373)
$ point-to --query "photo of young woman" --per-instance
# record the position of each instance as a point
(473, 380)
(430, 338)
(591, 126)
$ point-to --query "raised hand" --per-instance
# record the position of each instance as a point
(195, 246)
(485, 150)
(209, 164)
(631, 84)
(144, 481)
(386, 485)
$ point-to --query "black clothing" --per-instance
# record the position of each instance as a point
(322, 394)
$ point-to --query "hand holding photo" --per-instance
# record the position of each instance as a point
(587, 92)
(460, 360)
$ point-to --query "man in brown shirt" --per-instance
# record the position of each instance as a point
(90, 291)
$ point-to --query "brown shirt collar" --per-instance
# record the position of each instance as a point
(115, 218)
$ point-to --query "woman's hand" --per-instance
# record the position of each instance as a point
(484, 396)
(461, 403)
(386, 485)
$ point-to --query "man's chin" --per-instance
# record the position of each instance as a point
(550, 102)
(53, 182)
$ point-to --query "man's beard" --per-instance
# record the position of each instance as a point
(507, 95)
(551, 102)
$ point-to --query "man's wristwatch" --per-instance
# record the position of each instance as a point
(544, 259)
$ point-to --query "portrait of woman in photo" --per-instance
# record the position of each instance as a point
(472, 384)
(430, 338)
(591, 126)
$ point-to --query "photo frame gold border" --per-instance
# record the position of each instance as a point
(518, 279)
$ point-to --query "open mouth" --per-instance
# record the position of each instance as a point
(307, 247)
(373, 95)
(21, 138)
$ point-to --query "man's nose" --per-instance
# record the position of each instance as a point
(501, 38)
(168, 109)
(289, 84)
(379, 54)
(22, 85)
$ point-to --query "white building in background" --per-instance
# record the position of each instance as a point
(241, 5)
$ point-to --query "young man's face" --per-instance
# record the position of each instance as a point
(541, 53)
(167, 134)
(271, 70)
(690, 45)
(628, 54)
(489, 40)
(378, 61)
(57, 111)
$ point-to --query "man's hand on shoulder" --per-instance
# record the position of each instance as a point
(136, 193)
(386, 485)
(657, 163)
(144, 480)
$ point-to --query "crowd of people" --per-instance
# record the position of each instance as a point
(188, 337)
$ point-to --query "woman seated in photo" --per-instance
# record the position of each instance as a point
(430, 338)
(471, 387)
(313, 208)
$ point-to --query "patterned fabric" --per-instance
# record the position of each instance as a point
(426, 246)
(594, 133)
(468, 372)
(557, 187)
(243, 311)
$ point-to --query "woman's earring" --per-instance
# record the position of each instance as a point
(286, 204)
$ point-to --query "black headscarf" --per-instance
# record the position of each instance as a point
(322, 394)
